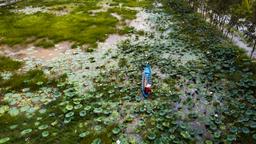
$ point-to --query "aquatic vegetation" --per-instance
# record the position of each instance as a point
(151, 136)
(84, 134)
(26, 131)
(203, 89)
(13, 111)
(116, 131)
(45, 133)
(4, 140)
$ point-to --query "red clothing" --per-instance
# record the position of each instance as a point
(147, 90)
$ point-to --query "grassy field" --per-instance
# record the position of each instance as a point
(78, 25)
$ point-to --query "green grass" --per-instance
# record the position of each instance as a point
(7, 64)
(52, 3)
(81, 28)
(77, 26)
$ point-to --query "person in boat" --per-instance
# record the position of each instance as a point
(147, 89)
(146, 83)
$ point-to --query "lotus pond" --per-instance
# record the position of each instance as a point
(204, 87)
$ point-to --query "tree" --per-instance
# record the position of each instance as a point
(229, 15)
(252, 29)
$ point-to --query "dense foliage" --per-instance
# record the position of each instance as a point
(230, 15)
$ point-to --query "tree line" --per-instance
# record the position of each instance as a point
(230, 15)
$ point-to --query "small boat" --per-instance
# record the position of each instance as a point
(146, 81)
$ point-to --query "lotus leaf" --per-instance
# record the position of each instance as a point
(166, 124)
(141, 123)
(253, 124)
(13, 127)
(245, 130)
(50, 115)
(142, 109)
(29, 94)
(97, 141)
(138, 99)
(39, 118)
(107, 121)
(97, 110)
(57, 94)
(54, 123)
(116, 130)
(40, 83)
(26, 131)
(45, 134)
(249, 112)
(4, 140)
(254, 136)
(24, 108)
(67, 120)
(4, 109)
(31, 110)
(78, 106)
(69, 114)
(42, 127)
(84, 134)
(99, 119)
(82, 113)
(183, 126)
(231, 138)
(162, 113)
(151, 136)
(42, 111)
(233, 129)
(107, 112)
(37, 123)
(160, 127)
(35, 99)
(208, 142)
(217, 134)
(172, 129)
(13, 111)
(185, 134)
(69, 107)
(172, 137)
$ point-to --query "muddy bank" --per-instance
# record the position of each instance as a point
(32, 52)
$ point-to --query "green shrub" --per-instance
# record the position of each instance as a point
(45, 43)
(7, 64)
